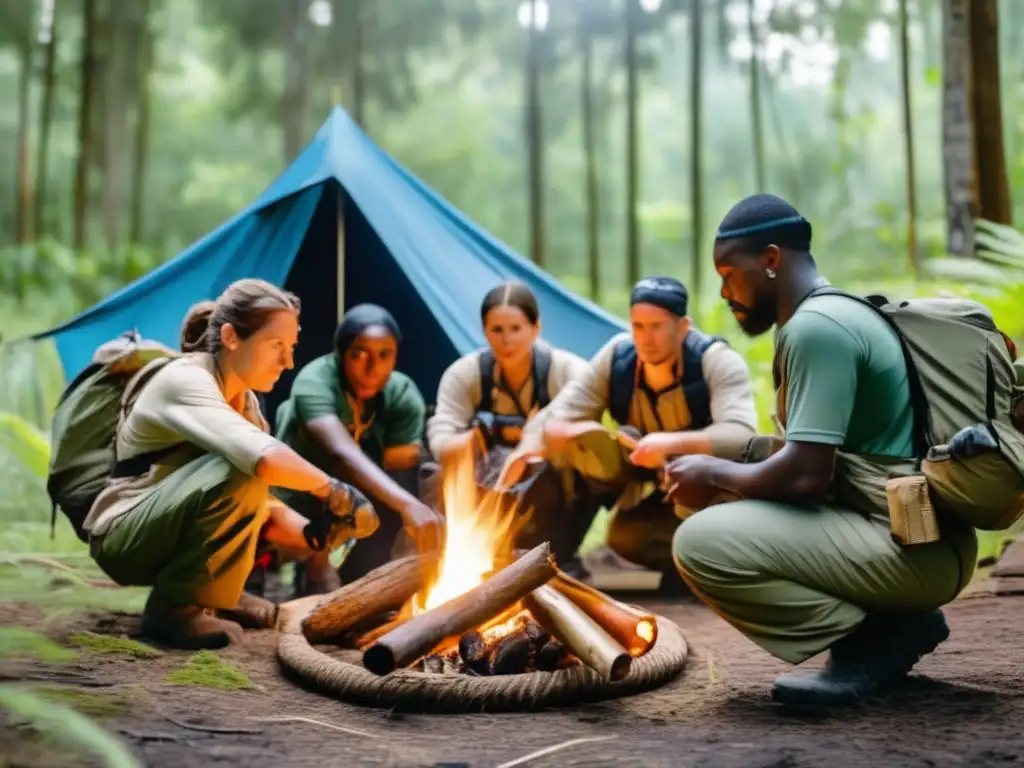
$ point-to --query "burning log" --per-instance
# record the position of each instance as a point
(511, 654)
(382, 589)
(550, 656)
(581, 634)
(412, 639)
(636, 630)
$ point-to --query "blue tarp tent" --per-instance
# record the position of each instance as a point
(345, 220)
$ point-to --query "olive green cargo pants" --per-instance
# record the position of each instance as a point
(794, 579)
(193, 538)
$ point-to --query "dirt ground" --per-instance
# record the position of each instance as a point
(964, 706)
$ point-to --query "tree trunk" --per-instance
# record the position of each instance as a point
(696, 176)
(24, 196)
(534, 140)
(46, 115)
(140, 147)
(908, 136)
(358, 73)
(293, 105)
(755, 100)
(84, 123)
(993, 186)
(632, 150)
(590, 163)
(113, 123)
(957, 130)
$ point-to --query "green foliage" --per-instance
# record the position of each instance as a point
(64, 724)
(19, 642)
(208, 670)
(110, 644)
(26, 444)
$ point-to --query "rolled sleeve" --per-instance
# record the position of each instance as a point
(733, 407)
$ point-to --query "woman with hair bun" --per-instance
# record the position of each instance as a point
(486, 397)
(189, 493)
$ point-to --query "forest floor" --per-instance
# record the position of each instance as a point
(963, 706)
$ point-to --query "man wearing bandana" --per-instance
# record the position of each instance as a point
(673, 391)
(352, 412)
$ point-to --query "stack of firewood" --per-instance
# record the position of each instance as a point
(525, 617)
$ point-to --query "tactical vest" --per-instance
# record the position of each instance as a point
(695, 388)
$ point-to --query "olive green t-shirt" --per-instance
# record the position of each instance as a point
(845, 379)
(394, 417)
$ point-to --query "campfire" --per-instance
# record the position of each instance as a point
(480, 607)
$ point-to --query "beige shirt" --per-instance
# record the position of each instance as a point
(733, 411)
(459, 392)
(182, 403)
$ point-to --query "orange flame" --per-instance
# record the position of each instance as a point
(478, 532)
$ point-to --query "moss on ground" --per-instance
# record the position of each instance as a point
(90, 703)
(19, 642)
(111, 644)
(208, 670)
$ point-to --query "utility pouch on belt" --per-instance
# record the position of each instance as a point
(911, 514)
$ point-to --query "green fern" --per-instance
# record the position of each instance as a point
(64, 724)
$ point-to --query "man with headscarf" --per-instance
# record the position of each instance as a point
(806, 561)
(673, 390)
(351, 412)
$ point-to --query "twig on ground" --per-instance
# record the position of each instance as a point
(210, 728)
(555, 748)
(311, 721)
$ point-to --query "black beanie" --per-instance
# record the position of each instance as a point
(765, 216)
(665, 292)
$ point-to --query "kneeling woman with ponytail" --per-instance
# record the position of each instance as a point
(189, 494)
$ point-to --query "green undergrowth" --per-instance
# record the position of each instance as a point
(23, 643)
(111, 644)
(96, 704)
(208, 670)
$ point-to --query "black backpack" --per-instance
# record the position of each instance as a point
(541, 367)
(695, 389)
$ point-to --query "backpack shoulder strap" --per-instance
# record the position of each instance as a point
(486, 362)
(695, 388)
(622, 380)
(541, 369)
(918, 399)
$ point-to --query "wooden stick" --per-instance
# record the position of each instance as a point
(636, 630)
(407, 643)
(382, 589)
(583, 636)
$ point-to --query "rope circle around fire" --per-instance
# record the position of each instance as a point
(408, 689)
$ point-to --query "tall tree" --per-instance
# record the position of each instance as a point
(48, 36)
(755, 98)
(293, 105)
(85, 106)
(632, 10)
(908, 137)
(143, 107)
(534, 132)
(586, 43)
(696, 149)
(992, 184)
(23, 31)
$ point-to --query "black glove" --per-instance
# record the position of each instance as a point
(346, 514)
(973, 441)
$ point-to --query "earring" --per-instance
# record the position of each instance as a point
(770, 273)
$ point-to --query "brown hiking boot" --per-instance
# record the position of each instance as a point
(187, 626)
(252, 612)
